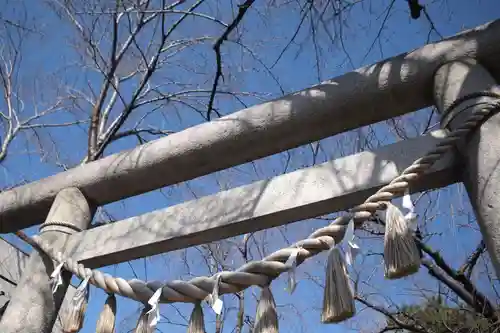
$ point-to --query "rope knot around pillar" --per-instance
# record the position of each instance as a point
(455, 108)
(61, 226)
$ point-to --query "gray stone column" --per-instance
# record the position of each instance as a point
(480, 152)
(33, 308)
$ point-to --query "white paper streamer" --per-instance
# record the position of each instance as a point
(410, 217)
(154, 312)
(81, 291)
(291, 265)
(56, 277)
(352, 249)
(407, 203)
(213, 298)
(217, 306)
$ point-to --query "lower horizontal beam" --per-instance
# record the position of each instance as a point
(306, 193)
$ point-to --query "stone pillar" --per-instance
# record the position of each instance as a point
(33, 308)
(480, 152)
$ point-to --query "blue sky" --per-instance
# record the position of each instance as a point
(51, 65)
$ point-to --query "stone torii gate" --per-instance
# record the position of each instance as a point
(447, 74)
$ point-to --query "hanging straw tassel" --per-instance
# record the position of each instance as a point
(106, 322)
(266, 319)
(401, 255)
(74, 314)
(338, 299)
(196, 322)
(143, 324)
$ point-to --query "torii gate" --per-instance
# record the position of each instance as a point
(456, 74)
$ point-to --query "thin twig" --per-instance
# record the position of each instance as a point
(468, 266)
(243, 8)
(302, 19)
(379, 33)
(138, 131)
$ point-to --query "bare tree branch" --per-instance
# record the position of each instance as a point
(152, 66)
(391, 316)
(137, 132)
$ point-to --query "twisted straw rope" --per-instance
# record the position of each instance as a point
(264, 271)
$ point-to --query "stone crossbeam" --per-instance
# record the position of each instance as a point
(332, 186)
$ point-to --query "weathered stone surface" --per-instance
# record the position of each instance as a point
(12, 263)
